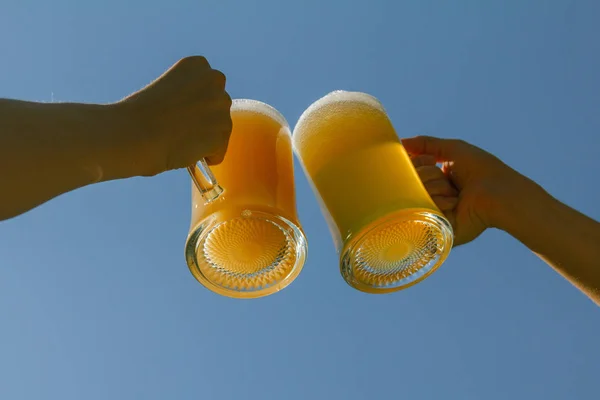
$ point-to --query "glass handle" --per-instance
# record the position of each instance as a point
(205, 181)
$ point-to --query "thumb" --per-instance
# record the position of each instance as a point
(441, 149)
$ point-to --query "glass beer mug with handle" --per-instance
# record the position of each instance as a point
(387, 230)
(247, 242)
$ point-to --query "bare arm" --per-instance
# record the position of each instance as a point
(47, 149)
(561, 236)
(477, 191)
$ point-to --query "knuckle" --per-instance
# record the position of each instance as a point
(218, 76)
(228, 101)
(458, 143)
(198, 60)
(427, 140)
(193, 61)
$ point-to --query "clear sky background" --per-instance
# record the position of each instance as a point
(96, 300)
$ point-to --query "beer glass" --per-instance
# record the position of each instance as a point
(386, 228)
(247, 242)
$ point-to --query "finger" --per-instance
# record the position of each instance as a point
(222, 143)
(429, 173)
(422, 160)
(444, 203)
(440, 188)
(448, 170)
(441, 149)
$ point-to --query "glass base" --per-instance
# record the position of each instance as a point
(251, 255)
(396, 252)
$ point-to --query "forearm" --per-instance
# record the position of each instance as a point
(563, 237)
(47, 149)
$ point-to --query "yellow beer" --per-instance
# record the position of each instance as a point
(248, 242)
(388, 231)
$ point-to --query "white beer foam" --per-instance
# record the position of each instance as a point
(341, 96)
(255, 106)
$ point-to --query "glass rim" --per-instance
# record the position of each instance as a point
(342, 96)
(259, 107)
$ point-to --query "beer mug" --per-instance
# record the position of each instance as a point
(247, 242)
(387, 230)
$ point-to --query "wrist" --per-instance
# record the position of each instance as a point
(516, 204)
(116, 142)
(137, 132)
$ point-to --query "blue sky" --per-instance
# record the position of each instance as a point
(96, 300)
